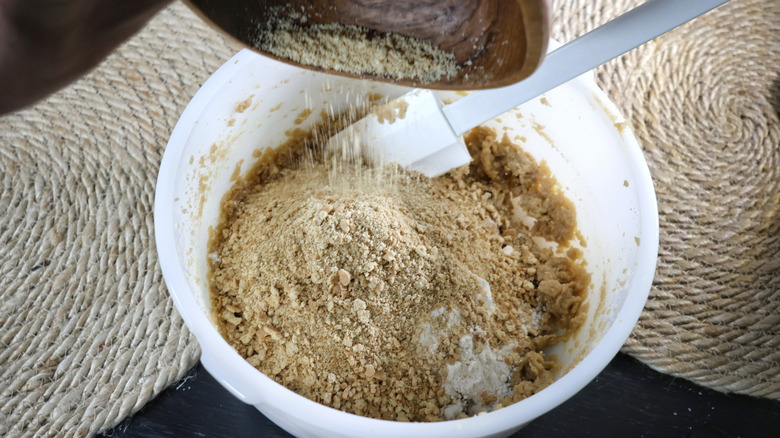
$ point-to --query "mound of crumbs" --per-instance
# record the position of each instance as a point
(387, 294)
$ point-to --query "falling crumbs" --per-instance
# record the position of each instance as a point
(387, 294)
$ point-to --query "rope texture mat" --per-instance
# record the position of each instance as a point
(88, 334)
(704, 101)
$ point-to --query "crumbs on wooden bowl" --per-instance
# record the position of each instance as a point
(353, 49)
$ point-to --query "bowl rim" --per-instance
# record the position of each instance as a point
(252, 386)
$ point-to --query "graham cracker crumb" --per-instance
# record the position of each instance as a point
(353, 49)
(387, 294)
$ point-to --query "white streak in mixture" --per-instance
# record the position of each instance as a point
(474, 374)
(486, 296)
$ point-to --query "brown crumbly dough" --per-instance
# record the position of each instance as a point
(391, 111)
(354, 49)
(386, 294)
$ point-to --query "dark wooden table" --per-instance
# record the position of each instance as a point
(627, 399)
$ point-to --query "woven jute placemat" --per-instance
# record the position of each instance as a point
(704, 102)
(88, 333)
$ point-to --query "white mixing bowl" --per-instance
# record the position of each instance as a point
(251, 101)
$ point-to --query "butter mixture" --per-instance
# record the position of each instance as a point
(387, 294)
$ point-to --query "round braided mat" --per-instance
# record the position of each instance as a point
(704, 102)
(88, 334)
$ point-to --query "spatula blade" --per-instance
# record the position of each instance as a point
(411, 131)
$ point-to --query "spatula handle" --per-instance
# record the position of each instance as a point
(604, 43)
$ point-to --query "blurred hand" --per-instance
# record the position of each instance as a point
(46, 44)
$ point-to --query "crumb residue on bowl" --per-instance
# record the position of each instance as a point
(244, 104)
(383, 293)
(302, 116)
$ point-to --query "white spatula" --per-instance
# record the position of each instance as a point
(423, 134)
